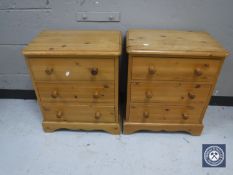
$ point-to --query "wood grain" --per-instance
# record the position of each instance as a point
(71, 69)
(75, 76)
(173, 43)
(165, 113)
(176, 92)
(84, 91)
(74, 112)
(174, 69)
(116, 94)
(194, 129)
(171, 77)
(112, 128)
(75, 42)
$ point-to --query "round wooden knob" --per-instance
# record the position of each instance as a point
(94, 71)
(151, 70)
(59, 114)
(191, 95)
(198, 72)
(49, 71)
(97, 115)
(185, 116)
(96, 94)
(149, 94)
(54, 94)
(146, 114)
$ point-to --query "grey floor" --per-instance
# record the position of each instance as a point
(26, 149)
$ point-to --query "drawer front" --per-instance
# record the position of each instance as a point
(72, 69)
(78, 113)
(76, 92)
(163, 113)
(169, 92)
(145, 68)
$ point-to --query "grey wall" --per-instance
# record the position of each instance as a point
(21, 20)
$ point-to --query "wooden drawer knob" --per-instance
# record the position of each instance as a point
(185, 116)
(54, 94)
(151, 70)
(59, 114)
(149, 94)
(146, 114)
(191, 95)
(49, 71)
(96, 94)
(198, 72)
(97, 115)
(94, 71)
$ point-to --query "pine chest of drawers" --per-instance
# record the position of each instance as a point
(171, 77)
(75, 76)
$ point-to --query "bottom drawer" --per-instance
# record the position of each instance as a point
(163, 113)
(78, 113)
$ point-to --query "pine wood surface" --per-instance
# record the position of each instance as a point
(165, 113)
(75, 76)
(72, 69)
(75, 112)
(174, 43)
(113, 128)
(194, 129)
(174, 69)
(84, 91)
(171, 77)
(75, 43)
(177, 92)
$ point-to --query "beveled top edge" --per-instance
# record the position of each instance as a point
(173, 43)
(75, 43)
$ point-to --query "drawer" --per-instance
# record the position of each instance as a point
(178, 92)
(78, 113)
(76, 92)
(163, 113)
(146, 68)
(67, 69)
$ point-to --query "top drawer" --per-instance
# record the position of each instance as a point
(68, 69)
(149, 68)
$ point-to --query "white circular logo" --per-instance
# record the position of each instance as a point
(214, 155)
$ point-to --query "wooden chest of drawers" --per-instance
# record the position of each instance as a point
(171, 77)
(75, 76)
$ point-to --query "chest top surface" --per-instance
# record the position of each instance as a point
(173, 43)
(75, 43)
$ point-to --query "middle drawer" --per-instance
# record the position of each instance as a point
(82, 91)
(178, 92)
